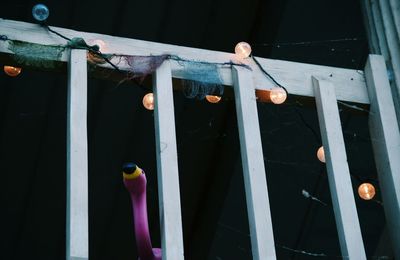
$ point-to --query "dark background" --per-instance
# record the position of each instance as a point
(33, 134)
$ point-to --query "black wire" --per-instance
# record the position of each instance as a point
(172, 57)
(268, 75)
(89, 48)
(317, 138)
(307, 43)
(94, 51)
(177, 58)
(57, 33)
(106, 59)
(230, 63)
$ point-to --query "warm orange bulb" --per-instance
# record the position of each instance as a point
(213, 99)
(12, 71)
(321, 154)
(366, 191)
(243, 50)
(278, 95)
(148, 101)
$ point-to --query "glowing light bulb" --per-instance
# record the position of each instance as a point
(12, 71)
(93, 57)
(277, 95)
(366, 191)
(213, 99)
(243, 50)
(40, 12)
(321, 154)
(148, 101)
(102, 45)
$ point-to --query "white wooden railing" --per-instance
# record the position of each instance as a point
(326, 84)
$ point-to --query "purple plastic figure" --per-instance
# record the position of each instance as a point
(135, 182)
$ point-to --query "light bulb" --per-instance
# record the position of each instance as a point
(93, 57)
(321, 154)
(277, 95)
(366, 191)
(213, 99)
(40, 12)
(243, 50)
(102, 45)
(148, 101)
(12, 71)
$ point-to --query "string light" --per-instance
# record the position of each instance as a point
(321, 154)
(148, 101)
(274, 95)
(278, 95)
(243, 50)
(366, 191)
(12, 71)
(40, 12)
(213, 99)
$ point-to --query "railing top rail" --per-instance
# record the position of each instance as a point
(296, 77)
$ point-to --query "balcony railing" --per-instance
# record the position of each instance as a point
(326, 84)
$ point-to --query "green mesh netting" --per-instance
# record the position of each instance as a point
(37, 55)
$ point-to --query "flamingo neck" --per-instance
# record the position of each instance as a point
(142, 233)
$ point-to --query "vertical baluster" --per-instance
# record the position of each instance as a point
(344, 206)
(262, 239)
(167, 164)
(385, 138)
(77, 159)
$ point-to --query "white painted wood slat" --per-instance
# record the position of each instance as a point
(261, 232)
(167, 165)
(77, 159)
(344, 206)
(385, 138)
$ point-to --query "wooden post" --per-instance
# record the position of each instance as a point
(385, 138)
(393, 39)
(344, 206)
(167, 165)
(262, 239)
(77, 159)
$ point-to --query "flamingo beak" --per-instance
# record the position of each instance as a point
(131, 171)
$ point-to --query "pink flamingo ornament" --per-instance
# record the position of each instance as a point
(135, 182)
